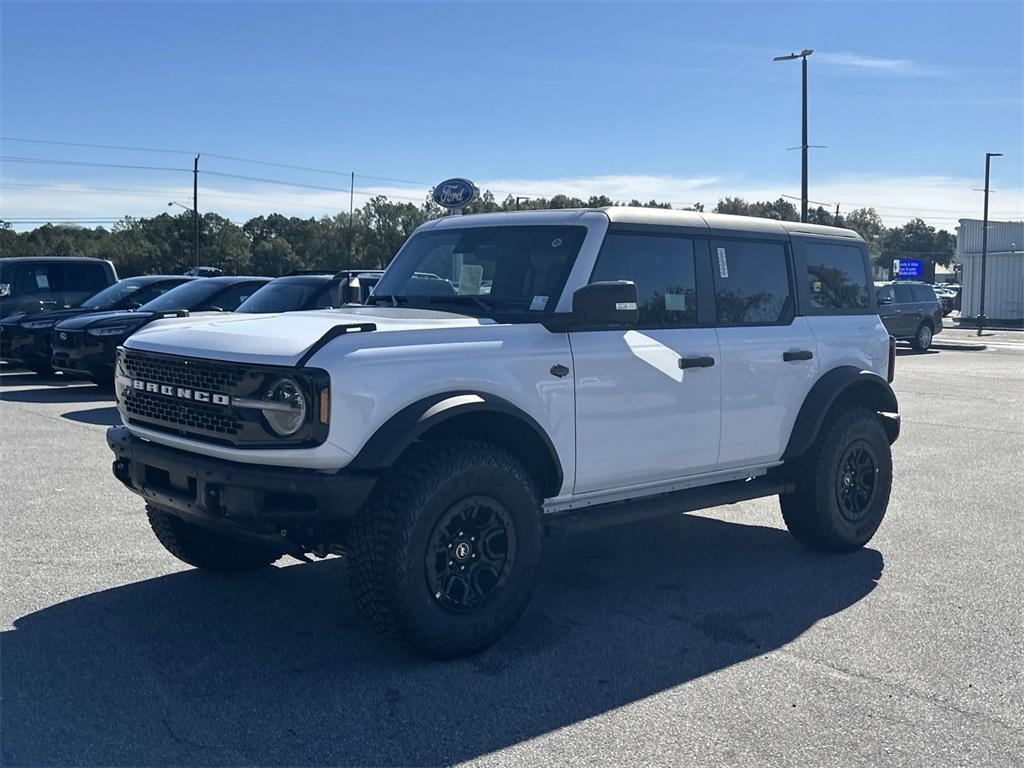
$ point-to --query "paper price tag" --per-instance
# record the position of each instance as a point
(723, 263)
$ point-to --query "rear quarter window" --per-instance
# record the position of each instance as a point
(837, 277)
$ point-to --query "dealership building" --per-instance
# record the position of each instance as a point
(1004, 269)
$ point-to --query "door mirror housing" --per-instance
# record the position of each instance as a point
(604, 305)
(5, 289)
(351, 292)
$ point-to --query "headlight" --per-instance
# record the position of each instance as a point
(285, 410)
(110, 330)
(35, 325)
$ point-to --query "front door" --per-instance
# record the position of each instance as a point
(647, 399)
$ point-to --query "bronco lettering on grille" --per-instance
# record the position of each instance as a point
(183, 393)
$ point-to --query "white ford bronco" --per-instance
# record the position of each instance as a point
(514, 376)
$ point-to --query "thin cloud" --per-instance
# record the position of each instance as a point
(877, 64)
(939, 200)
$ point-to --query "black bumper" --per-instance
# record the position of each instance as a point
(228, 495)
(79, 354)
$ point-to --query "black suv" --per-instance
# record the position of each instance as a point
(312, 290)
(910, 312)
(86, 345)
(26, 338)
(38, 283)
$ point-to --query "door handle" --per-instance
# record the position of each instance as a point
(696, 362)
(799, 354)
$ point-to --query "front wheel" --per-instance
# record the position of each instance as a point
(842, 484)
(445, 556)
(923, 338)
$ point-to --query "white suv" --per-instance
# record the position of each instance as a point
(514, 376)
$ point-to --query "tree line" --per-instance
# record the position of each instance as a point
(370, 236)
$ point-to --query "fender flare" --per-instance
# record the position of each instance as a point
(405, 427)
(875, 391)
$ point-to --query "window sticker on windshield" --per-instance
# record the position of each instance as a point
(538, 303)
(42, 280)
(675, 302)
(470, 277)
(723, 265)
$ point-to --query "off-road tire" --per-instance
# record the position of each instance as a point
(922, 338)
(388, 546)
(813, 511)
(207, 549)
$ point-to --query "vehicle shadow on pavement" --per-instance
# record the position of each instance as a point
(104, 417)
(276, 668)
(57, 394)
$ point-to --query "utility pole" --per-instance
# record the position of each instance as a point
(195, 203)
(984, 242)
(837, 214)
(803, 146)
(351, 211)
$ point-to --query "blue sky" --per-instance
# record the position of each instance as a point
(676, 101)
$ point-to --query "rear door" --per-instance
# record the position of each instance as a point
(769, 356)
(34, 287)
(647, 398)
(906, 310)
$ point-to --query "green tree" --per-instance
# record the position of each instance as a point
(868, 224)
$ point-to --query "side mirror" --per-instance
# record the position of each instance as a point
(611, 304)
(351, 292)
(885, 299)
(5, 289)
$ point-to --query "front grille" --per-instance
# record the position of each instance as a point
(182, 372)
(195, 398)
(66, 338)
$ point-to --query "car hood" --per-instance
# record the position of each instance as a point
(87, 320)
(278, 339)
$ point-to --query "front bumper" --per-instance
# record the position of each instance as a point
(78, 353)
(27, 346)
(235, 497)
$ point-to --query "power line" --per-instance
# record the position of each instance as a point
(46, 161)
(97, 146)
(300, 185)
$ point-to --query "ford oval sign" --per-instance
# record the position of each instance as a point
(455, 193)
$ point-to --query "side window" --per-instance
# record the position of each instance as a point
(836, 277)
(924, 293)
(904, 295)
(662, 268)
(89, 277)
(34, 279)
(751, 282)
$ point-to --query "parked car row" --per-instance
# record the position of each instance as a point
(48, 323)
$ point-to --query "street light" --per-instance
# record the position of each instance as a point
(803, 145)
(984, 242)
(195, 222)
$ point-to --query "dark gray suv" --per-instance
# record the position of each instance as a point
(910, 311)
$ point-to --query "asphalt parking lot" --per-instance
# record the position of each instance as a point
(706, 639)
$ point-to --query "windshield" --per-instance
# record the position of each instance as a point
(289, 295)
(496, 269)
(114, 295)
(185, 296)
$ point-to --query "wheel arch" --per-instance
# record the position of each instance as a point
(470, 414)
(841, 386)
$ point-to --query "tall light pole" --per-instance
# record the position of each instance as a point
(984, 242)
(803, 144)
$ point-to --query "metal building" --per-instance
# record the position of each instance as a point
(1004, 271)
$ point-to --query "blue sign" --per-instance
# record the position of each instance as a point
(455, 193)
(907, 268)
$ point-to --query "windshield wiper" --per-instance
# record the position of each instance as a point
(394, 299)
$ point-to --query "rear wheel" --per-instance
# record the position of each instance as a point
(842, 484)
(445, 555)
(923, 338)
(207, 549)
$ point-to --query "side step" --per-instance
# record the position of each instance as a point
(675, 502)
